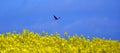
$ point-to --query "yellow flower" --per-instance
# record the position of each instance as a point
(34, 42)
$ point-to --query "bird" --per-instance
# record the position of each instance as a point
(56, 18)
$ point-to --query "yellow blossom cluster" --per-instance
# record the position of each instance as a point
(30, 42)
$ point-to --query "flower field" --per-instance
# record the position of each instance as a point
(30, 42)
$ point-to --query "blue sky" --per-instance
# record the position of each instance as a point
(98, 18)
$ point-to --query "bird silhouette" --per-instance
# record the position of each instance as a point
(56, 18)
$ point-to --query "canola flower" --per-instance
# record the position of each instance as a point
(30, 42)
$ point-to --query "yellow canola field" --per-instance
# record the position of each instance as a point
(30, 42)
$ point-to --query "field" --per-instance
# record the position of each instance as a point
(30, 42)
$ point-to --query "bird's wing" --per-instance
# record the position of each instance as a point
(55, 17)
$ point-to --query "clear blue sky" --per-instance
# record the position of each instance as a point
(99, 18)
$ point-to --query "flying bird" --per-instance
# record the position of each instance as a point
(56, 18)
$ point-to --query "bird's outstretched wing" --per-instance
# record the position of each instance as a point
(55, 17)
